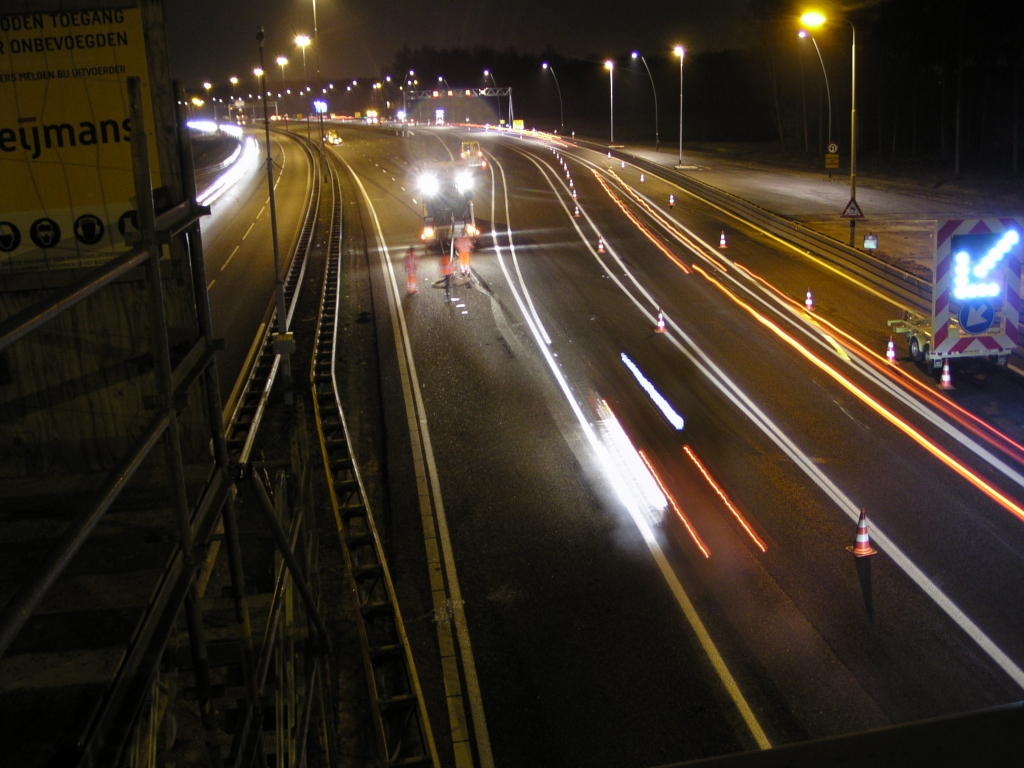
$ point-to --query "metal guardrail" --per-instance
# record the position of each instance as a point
(400, 716)
(905, 288)
(247, 403)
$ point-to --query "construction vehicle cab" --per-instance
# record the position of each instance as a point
(446, 190)
(472, 154)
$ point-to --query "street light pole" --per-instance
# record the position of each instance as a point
(680, 51)
(561, 113)
(281, 61)
(302, 41)
(657, 140)
(853, 128)
(828, 91)
(487, 73)
(813, 20)
(610, 66)
(283, 342)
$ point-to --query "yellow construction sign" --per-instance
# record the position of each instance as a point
(66, 197)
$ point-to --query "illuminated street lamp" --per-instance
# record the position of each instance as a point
(657, 140)
(302, 41)
(680, 51)
(815, 20)
(610, 66)
(281, 61)
(561, 114)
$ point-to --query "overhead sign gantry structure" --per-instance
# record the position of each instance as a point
(456, 93)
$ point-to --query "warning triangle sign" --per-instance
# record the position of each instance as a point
(852, 210)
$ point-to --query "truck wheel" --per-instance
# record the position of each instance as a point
(915, 350)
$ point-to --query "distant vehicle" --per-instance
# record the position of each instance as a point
(975, 293)
(332, 137)
(472, 154)
(447, 193)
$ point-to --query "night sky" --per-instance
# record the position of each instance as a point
(214, 39)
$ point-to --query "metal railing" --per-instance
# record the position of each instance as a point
(400, 717)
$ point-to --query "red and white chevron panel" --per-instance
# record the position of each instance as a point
(949, 339)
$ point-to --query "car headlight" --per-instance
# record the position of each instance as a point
(428, 233)
(428, 184)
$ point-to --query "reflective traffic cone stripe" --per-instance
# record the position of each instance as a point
(600, 245)
(721, 241)
(862, 544)
(641, 178)
(946, 382)
(809, 301)
(660, 326)
(576, 213)
(890, 351)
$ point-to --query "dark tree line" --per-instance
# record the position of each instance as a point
(938, 82)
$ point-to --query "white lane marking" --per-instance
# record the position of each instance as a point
(248, 230)
(262, 209)
(515, 259)
(420, 436)
(719, 378)
(728, 681)
(210, 284)
(225, 264)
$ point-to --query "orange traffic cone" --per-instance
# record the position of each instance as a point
(721, 241)
(576, 213)
(809, 301)
(574, 194)
(946, 382)
(890, 351)
(659, 327)
(609, 153)
(567, 174)
(862, 545)
(571, 185)
(672, 203)
(600, 245)
(641, 178)
(623, 164)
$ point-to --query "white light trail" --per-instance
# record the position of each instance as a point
(250, 158)
(663, 405)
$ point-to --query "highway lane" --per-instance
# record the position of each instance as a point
(514, 505)
(820, 644)
(239, 252)
(835, 436)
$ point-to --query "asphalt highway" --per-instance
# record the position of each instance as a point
(638, 594)
(238, 247)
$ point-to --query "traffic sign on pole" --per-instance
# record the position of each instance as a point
(852, 210)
